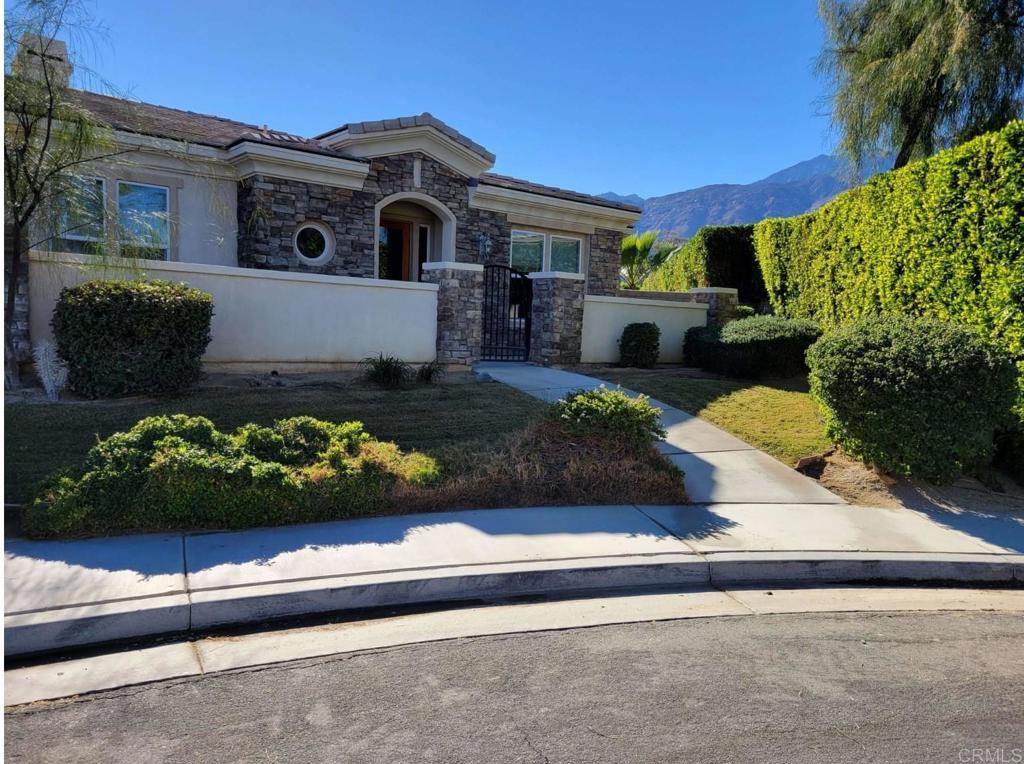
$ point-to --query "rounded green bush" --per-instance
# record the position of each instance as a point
(760, 346)
(609, 413)
(125, 337)
(696, 342)
(913, 396)
(639, 345)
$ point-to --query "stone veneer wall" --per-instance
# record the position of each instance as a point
(603, 273)
(271, 209)
(722, 303)
(22, 345)
(459, 303)
(556, 334)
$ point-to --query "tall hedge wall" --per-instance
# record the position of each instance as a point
(943, 237)
(716, 256)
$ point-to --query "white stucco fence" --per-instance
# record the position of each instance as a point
(604, 318)
(266, 319)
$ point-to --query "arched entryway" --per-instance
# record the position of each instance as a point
(412, 228)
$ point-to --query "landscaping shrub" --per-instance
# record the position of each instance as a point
(123, 337)
(386, 370)
(696, 340)
(760, 346)
(179, 472)
(611, 414)
(639, 345)
(745, 311)
(913, 396)
(716, 256)
(942, 238)
(430, 373)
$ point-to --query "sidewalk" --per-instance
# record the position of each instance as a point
(717, 466)
(68, 593)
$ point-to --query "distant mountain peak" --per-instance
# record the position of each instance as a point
(793, 190)
(623, 198)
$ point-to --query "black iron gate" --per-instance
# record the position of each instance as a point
(506, 314)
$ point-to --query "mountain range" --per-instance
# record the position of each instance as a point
(790, 191)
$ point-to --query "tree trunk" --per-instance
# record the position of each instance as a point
(14, 240)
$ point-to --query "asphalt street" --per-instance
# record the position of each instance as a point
(937, 687)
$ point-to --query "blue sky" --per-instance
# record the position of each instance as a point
(635, 97)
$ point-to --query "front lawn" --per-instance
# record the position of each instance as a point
(43, 437)
(464, 445)
(776, 416)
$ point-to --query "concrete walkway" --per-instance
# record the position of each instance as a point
(68, 593)
(717, 467)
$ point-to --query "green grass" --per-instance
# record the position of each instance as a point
(777, 416)
(41, 438)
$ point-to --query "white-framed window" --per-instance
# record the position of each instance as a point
(313, 243)
(143, 215)
(532, 251)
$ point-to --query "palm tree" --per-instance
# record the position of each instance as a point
(642, 254)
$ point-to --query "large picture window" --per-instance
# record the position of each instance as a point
(143, 215)
(532, 251)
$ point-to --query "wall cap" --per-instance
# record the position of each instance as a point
(451, 265)
(556, 275)
(685, 305)
(144, 266)
(713, 290)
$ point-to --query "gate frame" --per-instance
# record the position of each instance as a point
(501, 293)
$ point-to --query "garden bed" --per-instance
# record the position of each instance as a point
(491, 445)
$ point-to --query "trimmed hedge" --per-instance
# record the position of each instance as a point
(124, 337)
(179, 472)
(914, 396)
(760, 346)
(639, 345)
(716, 256)
(943, 238)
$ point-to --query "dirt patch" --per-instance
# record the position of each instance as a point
(863, 486)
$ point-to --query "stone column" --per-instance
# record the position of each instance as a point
(460, 298)
(722, 303)
(556, 317)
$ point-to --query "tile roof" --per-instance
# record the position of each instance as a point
(208, 130)
(426, 119)
(504, 181)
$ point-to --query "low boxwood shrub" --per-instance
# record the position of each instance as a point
(608, 413)
(760, 346)
(696, 340)
(913, 396)
(124, 337)
(179, 472)
(639, 345)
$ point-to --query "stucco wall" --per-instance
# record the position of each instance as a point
(604, 318)
(271, 318)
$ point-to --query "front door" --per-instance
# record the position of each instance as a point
(395, 244)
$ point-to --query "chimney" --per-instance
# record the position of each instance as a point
(36, 53)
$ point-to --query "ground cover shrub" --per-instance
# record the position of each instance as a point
(639, 345)
(609, 413)
(751, 348)
(913, 396)
(716, 256)
(180, 472)
(125, 337)
(386, 371)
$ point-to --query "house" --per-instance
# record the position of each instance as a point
(408, 199)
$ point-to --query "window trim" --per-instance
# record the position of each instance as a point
(546, 251)
(329, 242)
(167, 197)
(103, 213)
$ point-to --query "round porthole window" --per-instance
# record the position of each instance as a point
(314, 243)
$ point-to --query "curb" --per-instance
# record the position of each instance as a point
(56, 629)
